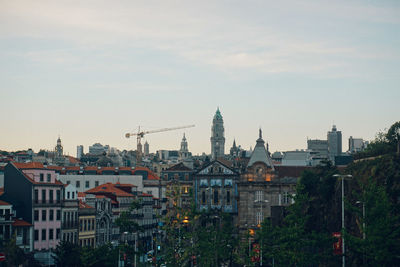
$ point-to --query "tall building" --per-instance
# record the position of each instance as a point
(318, 146)
(334, 143)
(146, 149)
(356, 144)
(79, 151)
(217, 136)
(98, 149)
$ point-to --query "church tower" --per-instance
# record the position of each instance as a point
(184, 151)
(58, 149)
(217, 136)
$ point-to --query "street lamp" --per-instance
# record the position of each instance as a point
(398, 140)
(342, 176)
(262, 219)
(364, 234)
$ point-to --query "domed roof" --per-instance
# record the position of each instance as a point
(260, 154)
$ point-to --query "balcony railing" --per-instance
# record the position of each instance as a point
(69, 225)
(46, 202)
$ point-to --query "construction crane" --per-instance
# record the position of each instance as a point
(140, 134)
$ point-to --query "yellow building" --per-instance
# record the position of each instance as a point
(87, 225)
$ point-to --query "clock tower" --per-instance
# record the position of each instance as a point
(217, 136)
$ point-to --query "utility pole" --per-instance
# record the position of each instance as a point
(341, 176)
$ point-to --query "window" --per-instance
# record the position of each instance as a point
(259, 217)
(73, 195)
(58, 232)
(228, 182)
(216, 200)
(36, 235)
(286, 198)
(78, 184)
(186, 177)
(68, 195)
(51, 215)
(36, 215)
(96, 183)
(36, 196)
(51, 196)
(228, 197)
(203, 198)
(68, 182)
(43, 234)
(44, 215)
(51, 234)
(58, 215)
(259, 196)
(48, 177)
(87, 184)
(43, 196)
(41, 177)
(58, 196)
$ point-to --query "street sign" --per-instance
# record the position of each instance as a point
(2, 256)
(337, 246)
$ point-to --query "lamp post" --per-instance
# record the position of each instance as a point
(364, 234)
(341, 176)
(398, 140)
(262, 219)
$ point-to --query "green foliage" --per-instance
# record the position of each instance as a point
(126, 221)
(384, 143)
(67, 254)
(14, 255)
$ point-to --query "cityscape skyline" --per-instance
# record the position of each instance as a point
(92, 72)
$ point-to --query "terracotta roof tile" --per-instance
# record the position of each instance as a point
(3, 203)
(83, 205)
(150, 175)
(19, 222)
(109, 188)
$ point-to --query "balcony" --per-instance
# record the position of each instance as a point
(46, 202)
(69, 225)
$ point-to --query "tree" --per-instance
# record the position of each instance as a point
(15, 256)
(305, 239)
(67, 254)
(380, 243)
(103, 256)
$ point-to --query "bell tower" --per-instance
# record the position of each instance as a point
(217, 136)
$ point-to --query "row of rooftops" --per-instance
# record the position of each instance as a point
(88, 170)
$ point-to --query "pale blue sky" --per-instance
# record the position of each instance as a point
(90, 71)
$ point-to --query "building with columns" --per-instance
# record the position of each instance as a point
(217, 136)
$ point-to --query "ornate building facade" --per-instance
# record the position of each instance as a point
(215, 188)
(217, 136)
(264, 189)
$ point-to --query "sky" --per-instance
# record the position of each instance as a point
(91, 71)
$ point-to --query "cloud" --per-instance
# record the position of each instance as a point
(206, 34)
